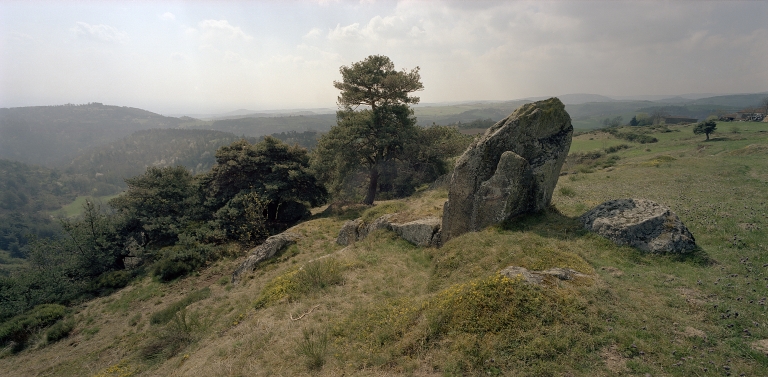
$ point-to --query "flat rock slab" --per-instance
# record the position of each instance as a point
(640, 223)
(537, 277)
(266, 250)
(422, 232)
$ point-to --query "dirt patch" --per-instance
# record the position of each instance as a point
(748, 226)
(615, 272)
(613, 360)
(692, 296)
(692, 332)
(761, 346)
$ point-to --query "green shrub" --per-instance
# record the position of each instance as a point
(313, 345)
(113, 280)
(319, 274)
(178, 261)
(18, 329)
(313, 276)
(616, 148)
(631, 136)
(567, 191)
(59, 330)
(166, 315)
(171, 339)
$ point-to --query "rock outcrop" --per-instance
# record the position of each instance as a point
(350, 232)
(511, 170)
(641, 223)
(537, 277)
(356, 230)
(420, 232)
(266, 250)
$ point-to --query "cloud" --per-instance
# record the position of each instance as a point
(221, 30)
(313, 34)
(101, 33)
(168, 16)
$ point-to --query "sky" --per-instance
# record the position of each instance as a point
(206, 57)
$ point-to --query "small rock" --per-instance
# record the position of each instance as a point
(349, 232)
(266, 250)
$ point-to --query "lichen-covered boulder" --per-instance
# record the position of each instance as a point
(356, 230)
(509, 171)
(266, 250)
(420, 232)
(644, 224)
(349, 232)
(537, 277)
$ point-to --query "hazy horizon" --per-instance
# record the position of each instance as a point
(213, 58)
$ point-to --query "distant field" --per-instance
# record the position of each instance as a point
(76, 207)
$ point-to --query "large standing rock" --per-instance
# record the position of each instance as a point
(266, 250)
(511, 170)
(641, 223)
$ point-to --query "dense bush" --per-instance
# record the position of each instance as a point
(111, 281)
(616, 148)
(631, 136)
(59, 330)
(18, 329)
(177, 261)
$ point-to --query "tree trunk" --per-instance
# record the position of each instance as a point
(372, 186)
(272, 211)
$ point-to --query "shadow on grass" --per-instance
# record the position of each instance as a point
(697, 257)
(549, 223)
(342, 210)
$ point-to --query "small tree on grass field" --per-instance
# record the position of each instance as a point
(706, 128)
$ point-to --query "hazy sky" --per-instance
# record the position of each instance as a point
(198, 57)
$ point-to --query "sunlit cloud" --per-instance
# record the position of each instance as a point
(101, 33)
(168, 16)
(222, 30)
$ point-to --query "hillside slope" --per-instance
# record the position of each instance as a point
(131, 155)
(46, 135)
(385, 307)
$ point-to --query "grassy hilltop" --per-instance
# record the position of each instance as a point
(385, 307)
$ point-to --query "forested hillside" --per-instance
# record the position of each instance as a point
(112, 164)
(260, 126)
(50, 135)
(26, 192)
